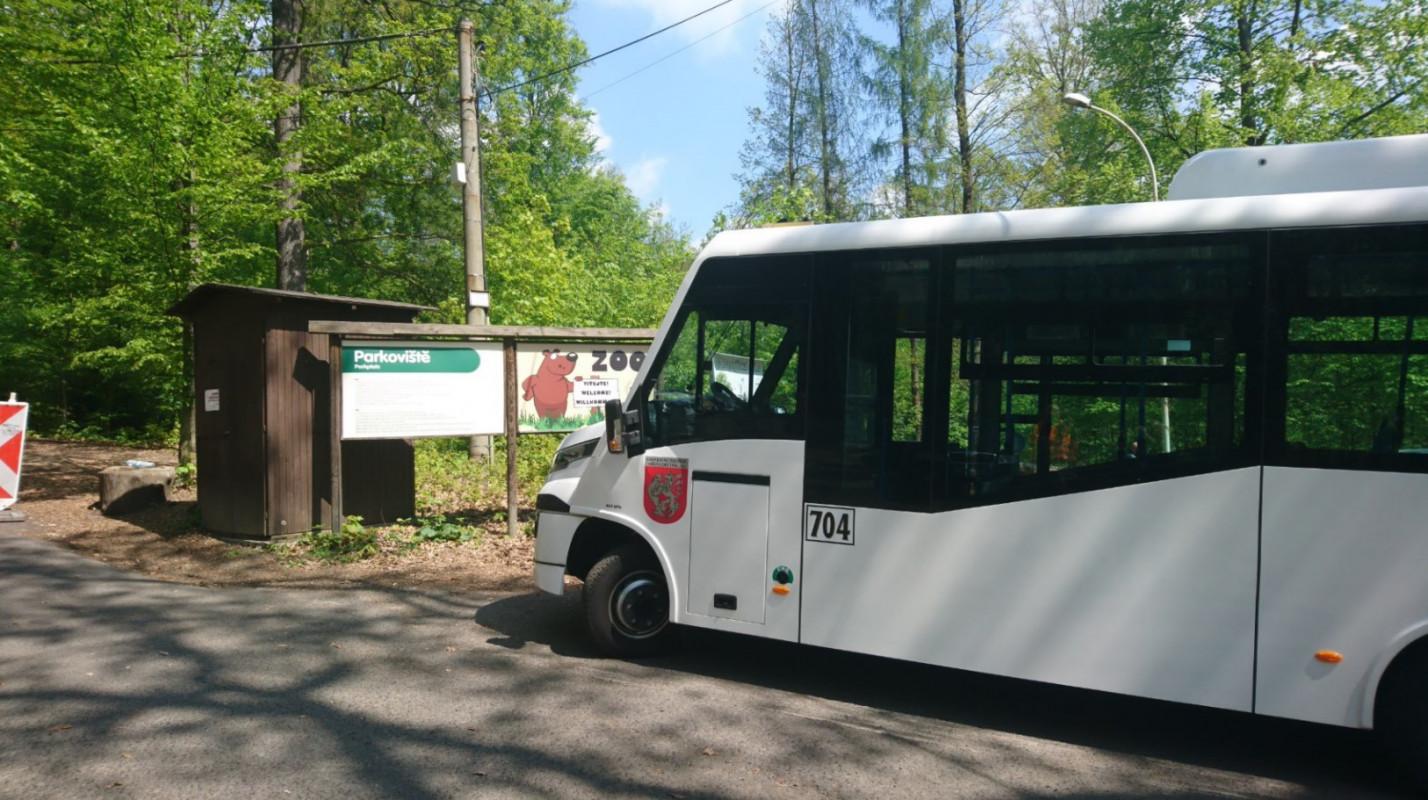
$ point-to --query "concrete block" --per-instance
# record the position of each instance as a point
(124, 490)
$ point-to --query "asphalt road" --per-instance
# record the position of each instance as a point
(112, 685)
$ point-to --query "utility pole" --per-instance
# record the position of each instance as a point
(477, 299)
(288, 68)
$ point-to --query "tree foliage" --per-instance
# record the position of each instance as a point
(1189, 75)
(804, 155)
(139, 159)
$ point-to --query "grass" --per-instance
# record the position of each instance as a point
(450, 484)
(352, 542)
(151, 438)
(563, 424)
(458, 501)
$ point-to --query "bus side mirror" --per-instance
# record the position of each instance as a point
(614, 426)
(622, 429)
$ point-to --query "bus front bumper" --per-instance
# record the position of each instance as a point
(554, 532)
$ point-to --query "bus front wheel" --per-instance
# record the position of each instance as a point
(627, 604)
(1402, 715)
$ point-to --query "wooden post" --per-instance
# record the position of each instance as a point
(474, 243)
(334, 397)
(473, 238)
(512, 435)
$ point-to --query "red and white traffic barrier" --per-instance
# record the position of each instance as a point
(13, 416)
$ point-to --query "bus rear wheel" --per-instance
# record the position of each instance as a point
(627, 604)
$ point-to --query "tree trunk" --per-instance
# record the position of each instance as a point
(820, 74)
(959, 98)
(288, 70)
(193, 253)
(188, 423)
(794, 84)
(192, 268)
(903, 112)
(1248, 122)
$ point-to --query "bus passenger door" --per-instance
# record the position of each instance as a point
(1346, 479)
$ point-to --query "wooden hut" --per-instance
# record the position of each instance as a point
(261, 384)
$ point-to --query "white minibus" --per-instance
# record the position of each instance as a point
(1176, 450)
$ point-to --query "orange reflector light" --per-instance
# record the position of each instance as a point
(780, 589)
(1329, 656)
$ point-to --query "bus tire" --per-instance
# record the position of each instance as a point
(1401, 713)
(627, 604)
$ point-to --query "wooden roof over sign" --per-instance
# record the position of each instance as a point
(210, 292)
(400, 330)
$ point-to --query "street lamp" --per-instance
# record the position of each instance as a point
(1078, 100)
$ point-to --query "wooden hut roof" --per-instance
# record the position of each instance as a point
(209, 292)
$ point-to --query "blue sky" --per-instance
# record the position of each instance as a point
(674, 129)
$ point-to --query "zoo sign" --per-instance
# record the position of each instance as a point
(564, 386)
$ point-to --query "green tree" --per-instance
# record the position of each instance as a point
(128, 175)
(1191, 75)
(808, 134)
(913, 96)
(140, 160)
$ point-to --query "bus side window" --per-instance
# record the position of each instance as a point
(1354, 338)
(1093, 364)
(909, 367)
(669, 406)
(869, 440)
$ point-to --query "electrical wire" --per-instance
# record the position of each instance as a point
(611, 51)
(380, 37)
(665, 58)
(490, 93)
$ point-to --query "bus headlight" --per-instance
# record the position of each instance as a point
(566, 456)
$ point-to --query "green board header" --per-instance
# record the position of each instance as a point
(409, 359)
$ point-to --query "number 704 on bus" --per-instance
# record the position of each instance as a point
(836, 524)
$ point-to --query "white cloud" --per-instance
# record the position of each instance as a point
(665, 12)
(644, 176)
(596, 131)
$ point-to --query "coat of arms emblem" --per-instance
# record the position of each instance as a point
(666, 488)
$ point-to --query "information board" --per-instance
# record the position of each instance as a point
(399, 390)
(564, 386)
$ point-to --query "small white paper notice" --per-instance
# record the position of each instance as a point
(210, 400)
(595, 391)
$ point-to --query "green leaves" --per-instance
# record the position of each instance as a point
(351, 542)
(138, 160)
(1188, 75)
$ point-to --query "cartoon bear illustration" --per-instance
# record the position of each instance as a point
(548, 388)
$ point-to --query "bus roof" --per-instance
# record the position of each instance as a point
(1310, 209)
(1384, 163)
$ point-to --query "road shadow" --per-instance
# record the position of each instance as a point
(112, 684)
(1311, 755)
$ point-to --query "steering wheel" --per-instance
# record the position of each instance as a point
(724, 398)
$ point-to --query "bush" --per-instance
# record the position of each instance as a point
(351, 542)
(186, 475)
(442, 529)
(448, 482)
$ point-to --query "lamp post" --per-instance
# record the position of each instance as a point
(1078, 100)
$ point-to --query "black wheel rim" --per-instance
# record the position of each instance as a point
(639, 606)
